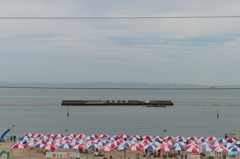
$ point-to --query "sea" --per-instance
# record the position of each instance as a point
(185, 120)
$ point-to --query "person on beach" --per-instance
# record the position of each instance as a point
(7, 138)
(11, 138)
(14, 138)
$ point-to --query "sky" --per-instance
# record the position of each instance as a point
(201, 51)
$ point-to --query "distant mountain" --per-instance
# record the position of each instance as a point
(110, 85)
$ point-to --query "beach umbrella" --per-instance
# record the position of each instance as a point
(31, 143)
(202, 137)
(112, 145)
(50, 135)
(127, 144)
(164, 148)
(49, 147)
(120, 147)
(75, 143)
(221, 149)
(227, 144)
(181, 140)
(230, 139)
(236, 142)
(192, 149)
(24, 138)
(150, 147)
(203, 140)
(125, 136)
(79, 147)
(192, 138)
(37, 135)
(18, 146)
(141, 145)
(222, 140)
(148, 137)
(157, 136)
(29, 134)
(191, 146)
(138, 136)
(44, 137)
(94, 135)
(207, 148)
(90, 142)
(103, 136)
(39, 145)
(111, 138)
(105, 148)
(145, 142)
(66, 138)
(212, 138)
(81, 136)
(116, 142)
(90, 138)
(178, 137)
(134, 148)
(32, 139)
(101, 143)
(93, 146)
(49, 139)
(168, 138)
(178, 147)
(157, 139)
(23, 142)
(96, 140)
(65, 146)
(168, 142)
(57, 143)
(49, 142)
(234, 149)
(59, 135)
(134, 139)
(71, 135)
(216, 143)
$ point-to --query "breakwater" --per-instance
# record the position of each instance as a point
(116, 102)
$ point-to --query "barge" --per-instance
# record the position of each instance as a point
(115, 102)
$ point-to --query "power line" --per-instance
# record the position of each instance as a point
(152, 17)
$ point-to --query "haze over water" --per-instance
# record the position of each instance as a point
(176, 120)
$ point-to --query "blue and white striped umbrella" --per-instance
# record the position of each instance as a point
(90, 138)
(39, 145)
(111, 138)
(134, 139)
(207, 148)
(178, 147)
(203, 140)
(150, 147)
(181, 140)
(65, 146)
(101, 143)
(127, 144)
(93, 146)
(236, 142)
(227, 144)
(222, 140)
(157, 139)
(25, 138)
(23, 142)
(120, 147)
(49, 142)
(234, 149)
(43, 137)
(75, 143)
(66, 138)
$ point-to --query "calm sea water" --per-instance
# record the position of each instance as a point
(176, 120)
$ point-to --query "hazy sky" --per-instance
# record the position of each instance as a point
(181, 51)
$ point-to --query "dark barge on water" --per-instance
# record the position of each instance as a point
(116, 102)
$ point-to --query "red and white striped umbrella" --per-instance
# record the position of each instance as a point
(49, 147)
(192, 138)
(105, 148)
(79, 147)
(141, 145)
(49, 139)
(125, 136)
(202, 137)
(29, 134)
(18, 146)
(110, 145)
(103, 135)
(221, 149)
(57, 143)
(96, 140)
(31, 143)
(192, 146)
(145, 142)
(116, 136)
(134, 148)
(212, 138)
(38, 135)
(94, 135)
(59, 135)
(117, 142)
(168, 138)
(158, 137)
(230, 139)
(50, 135)
(168, 142)
(81, 136)
(192, 149)
(164, 148)
(179, 137)
(72, 135)
(147, 137)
